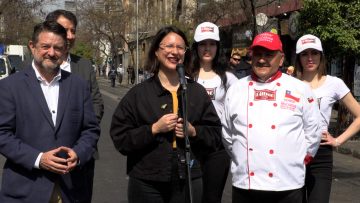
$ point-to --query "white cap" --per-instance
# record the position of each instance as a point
(308, 42)
(205, 31)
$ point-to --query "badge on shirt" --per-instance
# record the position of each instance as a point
(269, 95)
(290, 95)
(211, 92)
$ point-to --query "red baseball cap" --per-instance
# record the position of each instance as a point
(267, 40)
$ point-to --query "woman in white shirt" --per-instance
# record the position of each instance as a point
(311, 69)
(208, 71)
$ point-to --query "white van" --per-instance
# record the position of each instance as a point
(5, 67)
(20, 50)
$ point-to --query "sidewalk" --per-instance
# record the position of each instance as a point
(351, 147)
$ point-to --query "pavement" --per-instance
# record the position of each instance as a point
(351, 147)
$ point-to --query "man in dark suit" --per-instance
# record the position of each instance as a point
(76, 64)
(82, 67)
(48, 128)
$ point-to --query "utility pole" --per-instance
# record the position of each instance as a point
(137, 43)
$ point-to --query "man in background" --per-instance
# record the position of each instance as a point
(238, 63)
(82, 67)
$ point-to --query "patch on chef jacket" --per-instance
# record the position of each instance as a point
(211, 92)
(291, 96)
(288, 105)
(269, 95)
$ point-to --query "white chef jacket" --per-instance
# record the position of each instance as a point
(268, 129)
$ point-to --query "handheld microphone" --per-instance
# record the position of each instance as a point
(181, 72)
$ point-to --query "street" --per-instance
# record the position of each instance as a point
(110, 184)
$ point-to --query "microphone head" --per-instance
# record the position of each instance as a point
(181, 72)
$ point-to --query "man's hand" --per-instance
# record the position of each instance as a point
(52, 162)
(72, 159)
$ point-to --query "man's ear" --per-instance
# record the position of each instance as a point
(282, 59)
(31, 46)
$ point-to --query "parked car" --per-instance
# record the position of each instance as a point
(15, 62)
(5, 67)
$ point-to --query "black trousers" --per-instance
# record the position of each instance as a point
(319, 176)
(143, 191)
(174, 191)
(259, 196)
(215, 171)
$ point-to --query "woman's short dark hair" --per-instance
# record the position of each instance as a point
(152, 63)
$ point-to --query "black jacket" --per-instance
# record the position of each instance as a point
(149, 156)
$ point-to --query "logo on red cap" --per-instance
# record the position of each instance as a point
(267, 40)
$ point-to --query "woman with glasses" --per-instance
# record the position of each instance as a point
(147, 126)
(208, 72)
(311, 69)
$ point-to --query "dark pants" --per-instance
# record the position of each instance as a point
(174, 191)
(259, 196)
(143, 191)
(215, 171)
(319, 176)
(112, 82)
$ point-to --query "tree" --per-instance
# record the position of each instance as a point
(336, 23)
(18, 19)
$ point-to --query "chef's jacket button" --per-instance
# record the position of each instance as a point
(271, 175)
(251, 83)
(271, 151)
(252, 173)
(250, 149)
(251, 104)
(278, 84)
(250, 125)
(273, 127)
(275, 104)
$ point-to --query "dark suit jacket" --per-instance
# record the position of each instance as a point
(83, 68)
(26, 129)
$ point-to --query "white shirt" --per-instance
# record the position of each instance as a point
(268, 129)
(216, 90)
(332, 90)
(51, 94)
(66, 64)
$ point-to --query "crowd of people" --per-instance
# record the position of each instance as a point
(181, 136)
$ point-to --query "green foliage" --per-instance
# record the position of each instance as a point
(186, 28)
(83, 49)
(335, 22)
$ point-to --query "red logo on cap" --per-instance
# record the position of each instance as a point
(308, 40)
(207, 29)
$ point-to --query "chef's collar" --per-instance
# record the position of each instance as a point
(272, 78)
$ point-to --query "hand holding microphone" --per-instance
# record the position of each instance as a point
(179, 131)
